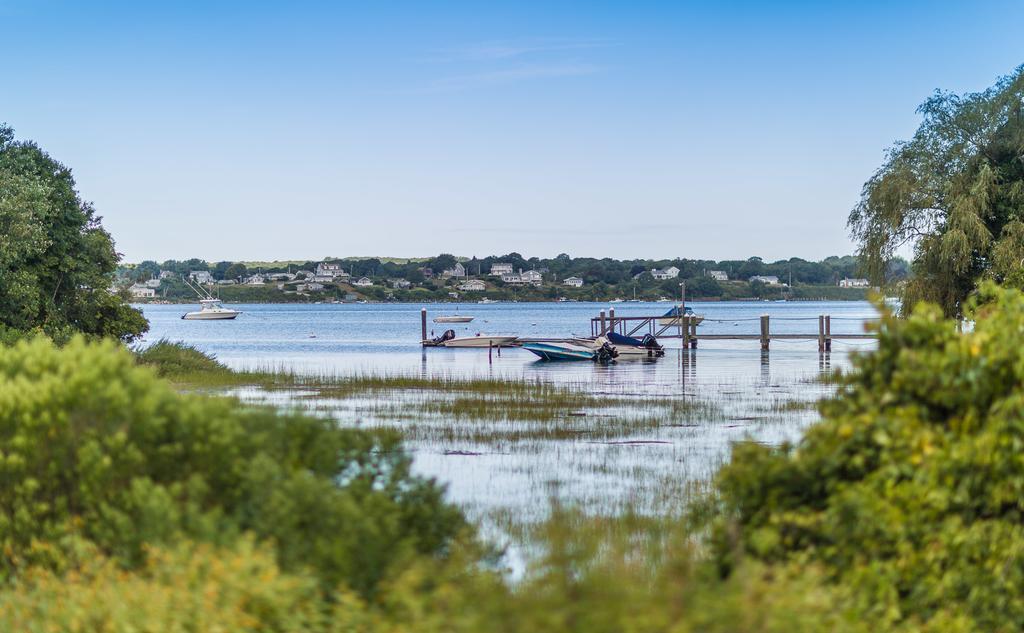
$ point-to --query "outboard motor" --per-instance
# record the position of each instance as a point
(447, 336)
(653, 347)
(606, 354)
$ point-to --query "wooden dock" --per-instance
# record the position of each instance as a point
(685, 328)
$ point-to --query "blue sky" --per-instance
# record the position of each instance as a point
(252, 130)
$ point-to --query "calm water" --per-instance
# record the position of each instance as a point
(351, 338)
(750, 392)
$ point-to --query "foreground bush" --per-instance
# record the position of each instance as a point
(911, 490)
(100, 453)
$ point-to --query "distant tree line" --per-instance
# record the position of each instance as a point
(592, 270)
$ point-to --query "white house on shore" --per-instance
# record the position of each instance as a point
(327, 272)
(854, 283)
(400, 284)
(167, 274)
(768, 280)
(499, 269)
(458, 271)
(665, 273)
(534, 277)
(363, 282)
(255, 280)
(512, 278)
(472, 285)
(575, 282)
(718, 275)
(201, 276)
(141, 292)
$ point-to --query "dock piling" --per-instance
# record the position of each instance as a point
(765, 338)
(821, 332)
(611, 319)
(423, 324)
(601, 333)
(828, 332)
(693, 332)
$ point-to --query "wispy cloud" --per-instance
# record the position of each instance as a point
(509, 49)
(515, 74)
(499, 62)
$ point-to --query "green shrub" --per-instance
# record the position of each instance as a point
(911, 490)
(178, 360)
(98, 452)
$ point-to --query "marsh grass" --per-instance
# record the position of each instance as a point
(631, 449)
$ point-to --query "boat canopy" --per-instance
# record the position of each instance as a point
(647, 341)
(674, 312)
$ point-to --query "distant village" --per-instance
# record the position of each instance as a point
(368, 280)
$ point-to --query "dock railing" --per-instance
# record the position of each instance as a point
(685, 328)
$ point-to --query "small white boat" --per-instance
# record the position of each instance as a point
(453, 319)
(616, 300)
(485, 301)
(480, 340)
(210, 310)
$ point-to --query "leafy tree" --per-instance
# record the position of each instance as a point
(220, 270)
(235, 271)
(910, 492)
(147, 270)
(956, 192)
(442, 262)
(56, 261)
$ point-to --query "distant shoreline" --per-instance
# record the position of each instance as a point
(455, 302)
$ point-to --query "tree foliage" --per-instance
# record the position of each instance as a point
(910, 492)
(100, 454)
(956, 192)
(56, 261)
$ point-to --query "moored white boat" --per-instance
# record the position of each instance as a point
(455, 318)
(480, 340)
(211, 310)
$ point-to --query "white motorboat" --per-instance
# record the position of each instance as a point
(455, 318)
(480, 340)
(210, 310)
(485, 300)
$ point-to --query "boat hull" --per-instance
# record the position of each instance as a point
(453, 319)
(630, 352)
(209, 315)
(555, 351)
(481, 341)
